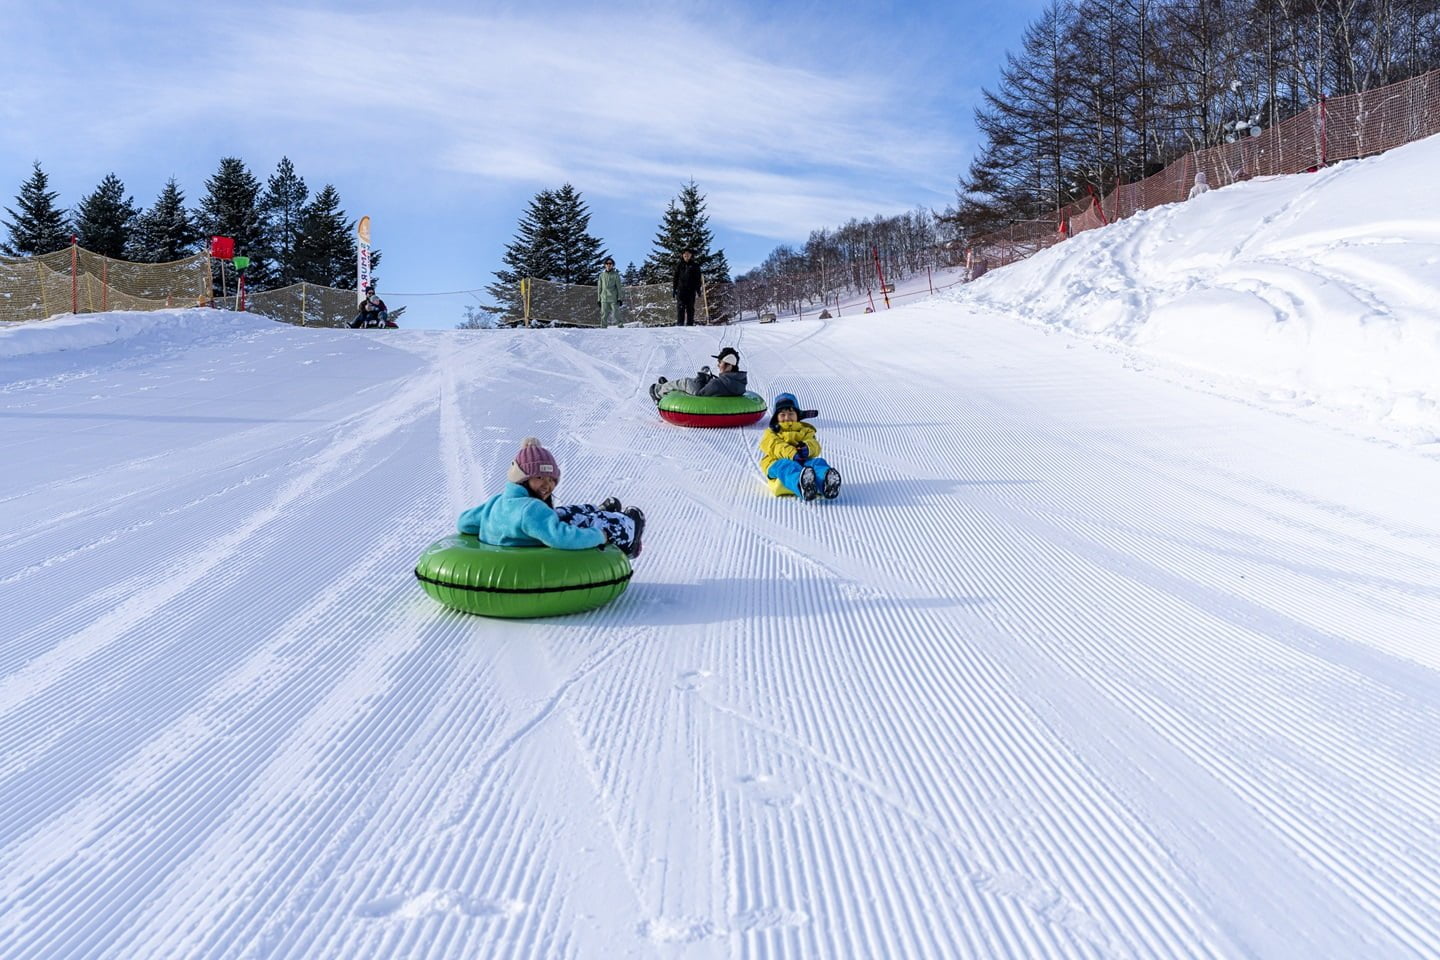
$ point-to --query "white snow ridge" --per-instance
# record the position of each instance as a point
(1121, 644)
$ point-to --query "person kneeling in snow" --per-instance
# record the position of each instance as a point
(524, 515)
(1201, 186)
(790, 454)
(731, 381)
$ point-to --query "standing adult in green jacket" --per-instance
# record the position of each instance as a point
(611, 291)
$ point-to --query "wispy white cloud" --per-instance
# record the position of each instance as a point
(623, 106)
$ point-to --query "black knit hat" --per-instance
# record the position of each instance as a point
(731, 353)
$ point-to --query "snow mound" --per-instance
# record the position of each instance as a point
(143, 329)
(1318, 289)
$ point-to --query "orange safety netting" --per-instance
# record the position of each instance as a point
(75, 280)
(303, 304)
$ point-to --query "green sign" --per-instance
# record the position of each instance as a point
(241, 262)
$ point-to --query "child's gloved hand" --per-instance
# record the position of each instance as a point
(802, 453)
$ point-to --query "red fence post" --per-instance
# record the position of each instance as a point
(74, 273)
(1324, 140)
(1096, 203)
(875, 252)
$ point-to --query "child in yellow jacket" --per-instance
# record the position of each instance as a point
(790, 454)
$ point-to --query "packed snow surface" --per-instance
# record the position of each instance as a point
(1083, 662)
(1089, 659)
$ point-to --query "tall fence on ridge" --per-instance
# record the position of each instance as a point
(1337, 128)
(76, 280)
(547, 303)
(303, 304)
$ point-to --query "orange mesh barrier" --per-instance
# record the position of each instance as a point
(75, 280)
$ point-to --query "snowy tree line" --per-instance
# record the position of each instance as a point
(1105, 92)
(553, 243)
(289, 234)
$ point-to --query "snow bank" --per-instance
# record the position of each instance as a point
(1318, 289)
(132, 328)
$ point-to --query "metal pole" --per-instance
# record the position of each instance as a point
(1324, 144)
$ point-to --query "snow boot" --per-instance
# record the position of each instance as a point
(638, 516)
(610, 505)
(655, 390)
(831, 488)
(807, 483)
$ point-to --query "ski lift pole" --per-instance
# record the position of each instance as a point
(875, 251)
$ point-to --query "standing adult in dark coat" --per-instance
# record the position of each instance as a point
(686, 288)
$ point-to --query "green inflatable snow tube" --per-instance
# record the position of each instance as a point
(686, 410)
(463, 573)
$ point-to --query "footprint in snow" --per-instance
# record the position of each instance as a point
(692, 679)
(678, 929)
(437, 903)
(765, 790)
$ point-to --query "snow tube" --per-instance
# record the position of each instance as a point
(463, 573)
(684, 410)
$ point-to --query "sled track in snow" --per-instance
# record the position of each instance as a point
(1005, 697)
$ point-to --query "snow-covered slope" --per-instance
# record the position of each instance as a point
(1318, 289)
(1082, 663)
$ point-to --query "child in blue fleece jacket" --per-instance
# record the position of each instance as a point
(523, 514)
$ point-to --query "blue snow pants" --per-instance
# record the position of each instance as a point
(788, 473)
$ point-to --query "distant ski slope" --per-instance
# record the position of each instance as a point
(1082, 663)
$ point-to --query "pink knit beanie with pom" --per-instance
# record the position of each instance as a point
(533, 460)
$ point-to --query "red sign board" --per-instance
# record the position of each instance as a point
(222, 248)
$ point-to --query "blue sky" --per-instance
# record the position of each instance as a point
(442, 120)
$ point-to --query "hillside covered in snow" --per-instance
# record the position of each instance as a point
(1312, 291)
(1113, 645)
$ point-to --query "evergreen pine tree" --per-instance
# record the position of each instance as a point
(230, 208)
(166, 231)
(39, 226)
(325, 244)
(578, 255)
(632, 275)
(533, 253)
(684, 226)
(552, 242)
(282, 210)
(105, 219)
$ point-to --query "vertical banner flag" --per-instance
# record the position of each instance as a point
(362, 255)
